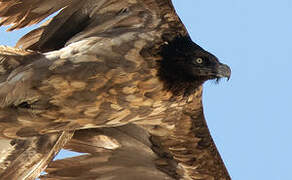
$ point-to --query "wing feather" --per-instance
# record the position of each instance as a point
(27, 158)
(189, 143)
(120, 153)
(55, 32)
(22, 13)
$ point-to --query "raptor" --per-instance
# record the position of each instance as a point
(119, 80)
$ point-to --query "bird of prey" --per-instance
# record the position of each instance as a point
(119, 80)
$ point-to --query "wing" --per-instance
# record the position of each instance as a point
(85, 19)
(111, 153)
(179, 149)
(22, 13)
(27, 158)
(184, 138)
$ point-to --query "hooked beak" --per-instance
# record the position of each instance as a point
(223, 71)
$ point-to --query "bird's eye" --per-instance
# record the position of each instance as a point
(199, 60)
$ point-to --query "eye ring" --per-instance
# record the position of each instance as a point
(199, 60)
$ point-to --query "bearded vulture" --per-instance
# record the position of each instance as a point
(118, 80)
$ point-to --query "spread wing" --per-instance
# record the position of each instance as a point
(96, 54)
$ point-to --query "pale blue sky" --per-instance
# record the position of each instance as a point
(249, 116)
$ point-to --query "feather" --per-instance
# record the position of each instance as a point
(27, 158)
(22, 13)
(112, 153)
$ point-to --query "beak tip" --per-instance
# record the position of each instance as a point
(229, 75)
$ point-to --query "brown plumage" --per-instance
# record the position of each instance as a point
(123, 74)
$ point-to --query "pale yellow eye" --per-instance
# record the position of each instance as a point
(199, 60)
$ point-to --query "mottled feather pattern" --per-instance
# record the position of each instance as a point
(97, 70)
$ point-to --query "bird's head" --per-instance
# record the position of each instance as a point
(203, 65)
(185, 66)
